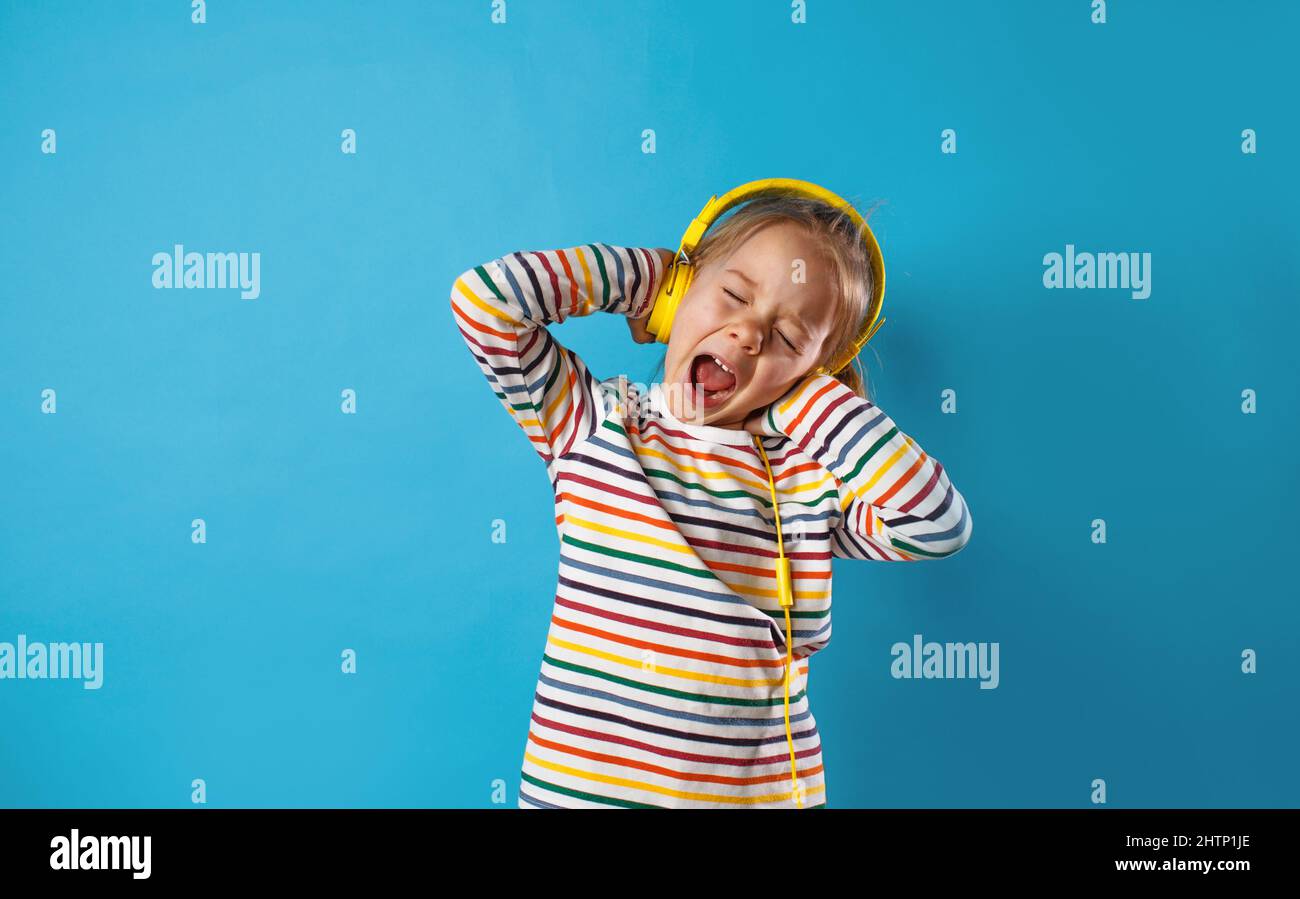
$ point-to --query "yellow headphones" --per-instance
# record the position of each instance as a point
(677, 280)
(675, 283)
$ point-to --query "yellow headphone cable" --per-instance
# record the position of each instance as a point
(785, 592)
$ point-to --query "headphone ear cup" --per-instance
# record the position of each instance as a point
(671, 291)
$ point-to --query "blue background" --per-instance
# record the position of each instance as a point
(327, 531)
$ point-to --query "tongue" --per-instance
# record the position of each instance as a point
(710, 376)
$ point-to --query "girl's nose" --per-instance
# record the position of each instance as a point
(748, 335)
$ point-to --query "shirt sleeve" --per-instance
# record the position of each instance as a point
(897, 501)
(502, 309)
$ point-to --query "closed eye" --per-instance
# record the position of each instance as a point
(746, 302)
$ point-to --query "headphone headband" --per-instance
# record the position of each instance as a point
(677, 279)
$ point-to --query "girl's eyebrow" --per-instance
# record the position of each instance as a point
(744, 277)
(803, 326)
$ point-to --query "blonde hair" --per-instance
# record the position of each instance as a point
(837, 235)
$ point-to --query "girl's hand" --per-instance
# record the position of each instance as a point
(637, 326)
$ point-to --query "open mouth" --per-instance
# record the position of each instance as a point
(712, 380)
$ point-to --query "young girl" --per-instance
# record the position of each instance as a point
(663, 677)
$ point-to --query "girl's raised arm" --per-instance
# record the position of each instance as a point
(897, 502)
(502, 308)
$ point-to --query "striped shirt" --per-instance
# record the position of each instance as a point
(662, 679)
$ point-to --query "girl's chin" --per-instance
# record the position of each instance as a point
(701, 408)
